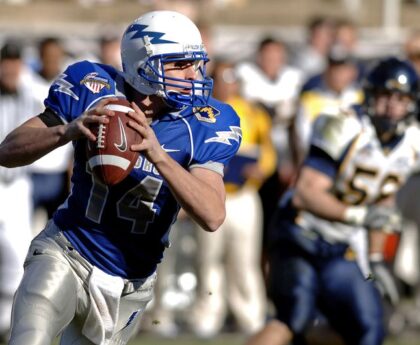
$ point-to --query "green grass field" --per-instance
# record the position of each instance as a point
(229, 339)
(234, 339)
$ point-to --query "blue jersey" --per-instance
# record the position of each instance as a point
(124, 229)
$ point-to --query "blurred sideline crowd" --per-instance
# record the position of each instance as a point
(211, 282)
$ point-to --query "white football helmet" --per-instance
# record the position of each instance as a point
(159, 37)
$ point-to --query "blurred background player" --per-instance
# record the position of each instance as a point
(271, 82)
(223, 284)
(311, 58)
(17, 104)
(110, 51)
(344, 200)
(333, 90)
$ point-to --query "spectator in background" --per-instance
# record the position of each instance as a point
(17, 104)
(110, 51)
(273, 84)
(52, 56)
(269, 80)
(332, 91)
(206, 31)
(50, 174)
(412, 50)
(347, 38)
(229, 274)
(312, 57)
(346, 35)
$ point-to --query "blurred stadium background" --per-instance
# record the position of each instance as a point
(237, 26)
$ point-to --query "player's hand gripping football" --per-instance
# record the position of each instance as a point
(80, 127)
(150, 145)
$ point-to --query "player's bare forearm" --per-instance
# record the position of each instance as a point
(29, 142)
(200, 193)
(324, 205)
(313, 195)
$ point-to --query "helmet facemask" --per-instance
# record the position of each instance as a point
(196, 91)
(391, 78)
(386, 127)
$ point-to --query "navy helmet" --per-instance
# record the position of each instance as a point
(391, 75)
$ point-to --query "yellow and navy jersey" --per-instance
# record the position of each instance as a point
(364, 171)
(321, 100)
(256, 146)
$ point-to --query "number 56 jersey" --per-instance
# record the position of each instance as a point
(363, 170)
(124, 229)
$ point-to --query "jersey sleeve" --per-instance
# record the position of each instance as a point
(319, 160)
(78, 88)
(333, 133)
(215, 143)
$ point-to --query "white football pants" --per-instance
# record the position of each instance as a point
(55, 297)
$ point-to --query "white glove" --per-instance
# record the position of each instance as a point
(375, 217)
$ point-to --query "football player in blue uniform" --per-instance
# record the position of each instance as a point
(343, 199)
(89, 274)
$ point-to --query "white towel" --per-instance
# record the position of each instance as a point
(105, 293)
(359, 243)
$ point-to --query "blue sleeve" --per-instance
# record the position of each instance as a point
(218, 141)
(321, 161)
(78, 88)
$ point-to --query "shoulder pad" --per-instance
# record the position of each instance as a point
(78, 87)
(413, 135)
(215, 115)
(206, 114)
(333, 133)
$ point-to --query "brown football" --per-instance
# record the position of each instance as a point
(110, 157)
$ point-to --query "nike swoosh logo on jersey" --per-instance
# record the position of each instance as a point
(169, 150)
(122, 146)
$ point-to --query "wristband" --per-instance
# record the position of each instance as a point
(355, 214)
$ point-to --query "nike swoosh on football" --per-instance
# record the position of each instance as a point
(169, 150)
(123, 145)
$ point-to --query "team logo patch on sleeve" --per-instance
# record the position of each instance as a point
(206, 114)
(95, 83)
